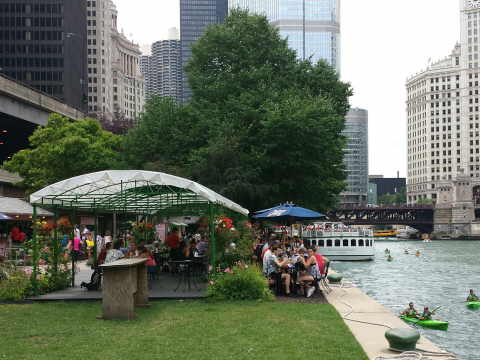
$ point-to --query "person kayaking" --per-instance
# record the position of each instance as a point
(427, 314)
(387, 251)
(472, 297)
(410, 311)
(417, 253)
(389, 258)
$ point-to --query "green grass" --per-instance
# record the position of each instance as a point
(177, 330)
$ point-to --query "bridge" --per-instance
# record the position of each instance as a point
(22, 109)
(25, 103)
(420, 217)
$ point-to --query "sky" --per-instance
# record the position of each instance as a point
(383, 43)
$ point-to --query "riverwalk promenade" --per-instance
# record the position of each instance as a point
(360, 312)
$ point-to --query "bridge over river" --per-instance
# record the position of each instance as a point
(420, 217)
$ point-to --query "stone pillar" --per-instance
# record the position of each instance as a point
(125, 285)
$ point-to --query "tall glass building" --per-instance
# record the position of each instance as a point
(195, 16)
(312, 27)
(356, 158)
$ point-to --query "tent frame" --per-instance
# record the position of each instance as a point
(133, 197)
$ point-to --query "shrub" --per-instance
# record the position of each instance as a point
(242, 282)
(14, 284)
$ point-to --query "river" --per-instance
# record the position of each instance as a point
(441, 276)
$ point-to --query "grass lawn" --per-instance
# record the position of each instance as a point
(177, 330)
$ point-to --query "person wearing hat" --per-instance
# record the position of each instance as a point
(472, 296)
(410, 311)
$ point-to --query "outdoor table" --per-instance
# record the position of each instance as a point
(125, 286)
(186, 274)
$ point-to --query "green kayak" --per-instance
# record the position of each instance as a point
(432, 324)
(473, 304)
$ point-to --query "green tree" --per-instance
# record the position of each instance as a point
(163, 139)
(261, 128)
(399, 198)
(63, 149)
(274, 122)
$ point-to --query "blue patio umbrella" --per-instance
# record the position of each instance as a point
(289, 213)
(5, 217)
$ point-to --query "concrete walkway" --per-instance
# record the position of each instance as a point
(358, 306)
(161, 289)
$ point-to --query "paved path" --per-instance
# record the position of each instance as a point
(363, 308)
(163, 288)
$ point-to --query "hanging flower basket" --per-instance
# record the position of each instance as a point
(64, 225)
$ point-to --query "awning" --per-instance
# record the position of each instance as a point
(5, 217)
(17, 208)
(131, 191)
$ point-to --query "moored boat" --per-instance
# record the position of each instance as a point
(339, 242)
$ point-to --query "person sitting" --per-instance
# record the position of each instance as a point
(427, 314)
(114, 254)
(312, 273)
(103, 253)
(132, 250)
(410, 311)
(275, 263)
(472, 296)
(202, 246)
(151, 264)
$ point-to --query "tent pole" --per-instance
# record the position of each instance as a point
(35, 252)
(213, 250)
(71, 247)
(95, 234)
(114, 226)
(55, 242)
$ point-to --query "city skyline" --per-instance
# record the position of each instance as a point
(375, 61)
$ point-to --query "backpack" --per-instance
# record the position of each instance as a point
(95, 281)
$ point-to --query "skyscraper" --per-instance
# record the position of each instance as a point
(163, 68)
(115, 83)
(356, 157)
(43, 43)
(311, 27)
(195, 16)
(443, 115)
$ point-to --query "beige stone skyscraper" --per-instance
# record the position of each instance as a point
(115, 83)
(443, 115)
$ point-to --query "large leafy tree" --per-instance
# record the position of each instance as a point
(261, 128)
(275, 122)
(63, 149)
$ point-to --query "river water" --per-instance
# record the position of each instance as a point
(441, 276)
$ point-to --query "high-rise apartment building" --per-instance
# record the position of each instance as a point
(195, 16)
(311, 27)
(145, 69)
(356, 158)
(443, 115)
(43, 45)
(163, 68)
(115, 83)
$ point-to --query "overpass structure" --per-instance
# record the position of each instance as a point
(22, 102)
(420, 217)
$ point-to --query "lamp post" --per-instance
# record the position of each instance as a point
(70, 35)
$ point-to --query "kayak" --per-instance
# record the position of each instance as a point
(473, 304)
(432, 324)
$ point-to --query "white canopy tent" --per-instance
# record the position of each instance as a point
(133, 191)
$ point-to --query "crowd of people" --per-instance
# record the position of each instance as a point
(289, 266)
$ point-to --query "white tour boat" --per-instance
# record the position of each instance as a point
(339, 242)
